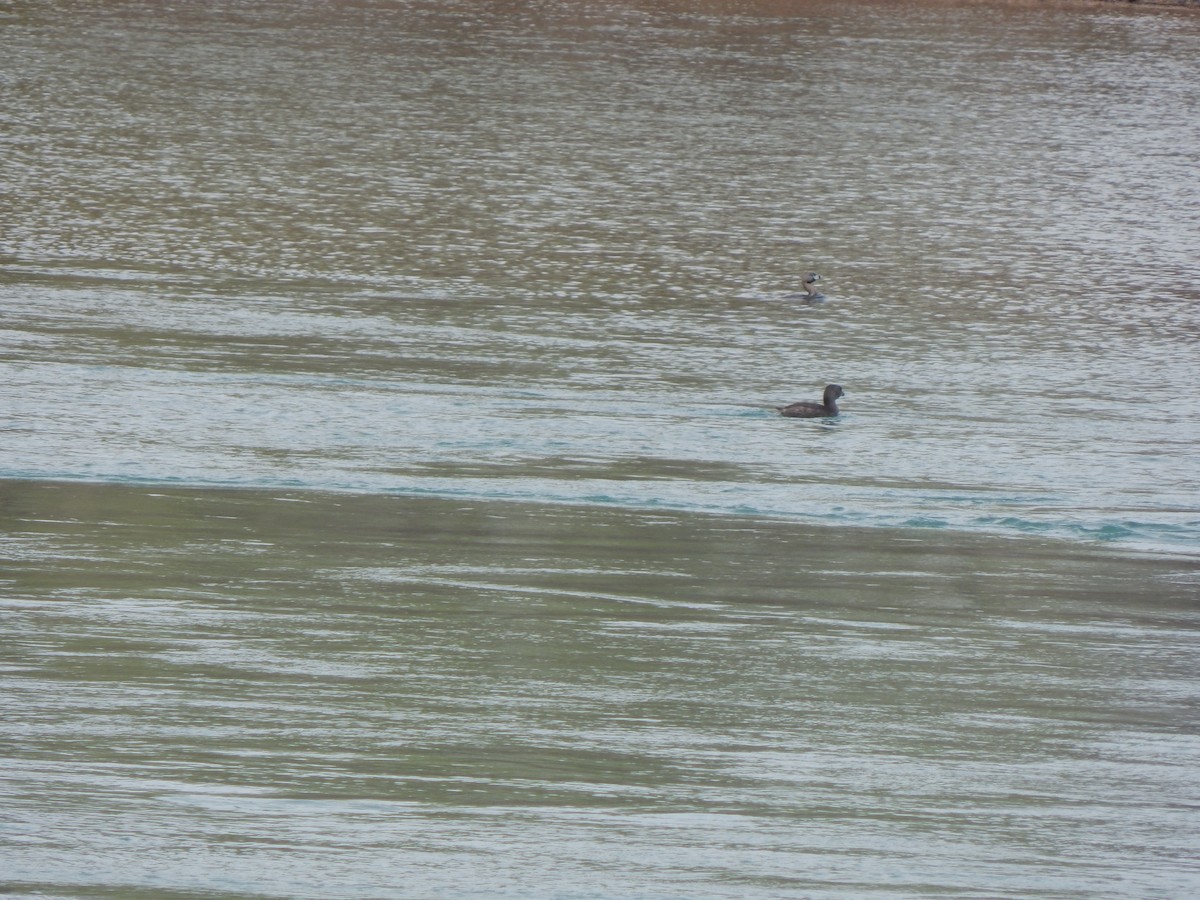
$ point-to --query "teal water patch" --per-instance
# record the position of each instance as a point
(1171, 536)
(925, 522)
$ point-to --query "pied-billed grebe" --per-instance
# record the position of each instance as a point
(807, 410)
(810, 289)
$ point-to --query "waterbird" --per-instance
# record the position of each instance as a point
(810, 289)
(807, 410)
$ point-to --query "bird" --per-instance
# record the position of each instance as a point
(810, 293)
(808, 410)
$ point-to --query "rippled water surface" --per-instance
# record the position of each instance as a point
(393, 501)
(294, 694)
(473, 248)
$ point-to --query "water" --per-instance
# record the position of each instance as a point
(296, 694)
(462, 248)
(392, 500)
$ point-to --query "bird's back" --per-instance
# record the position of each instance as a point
(803, 410)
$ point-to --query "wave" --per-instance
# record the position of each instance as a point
(1165, 532)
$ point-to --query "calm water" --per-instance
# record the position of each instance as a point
(391, 501)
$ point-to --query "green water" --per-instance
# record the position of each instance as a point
(296, 694)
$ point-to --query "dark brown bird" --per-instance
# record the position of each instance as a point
(807, 410)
